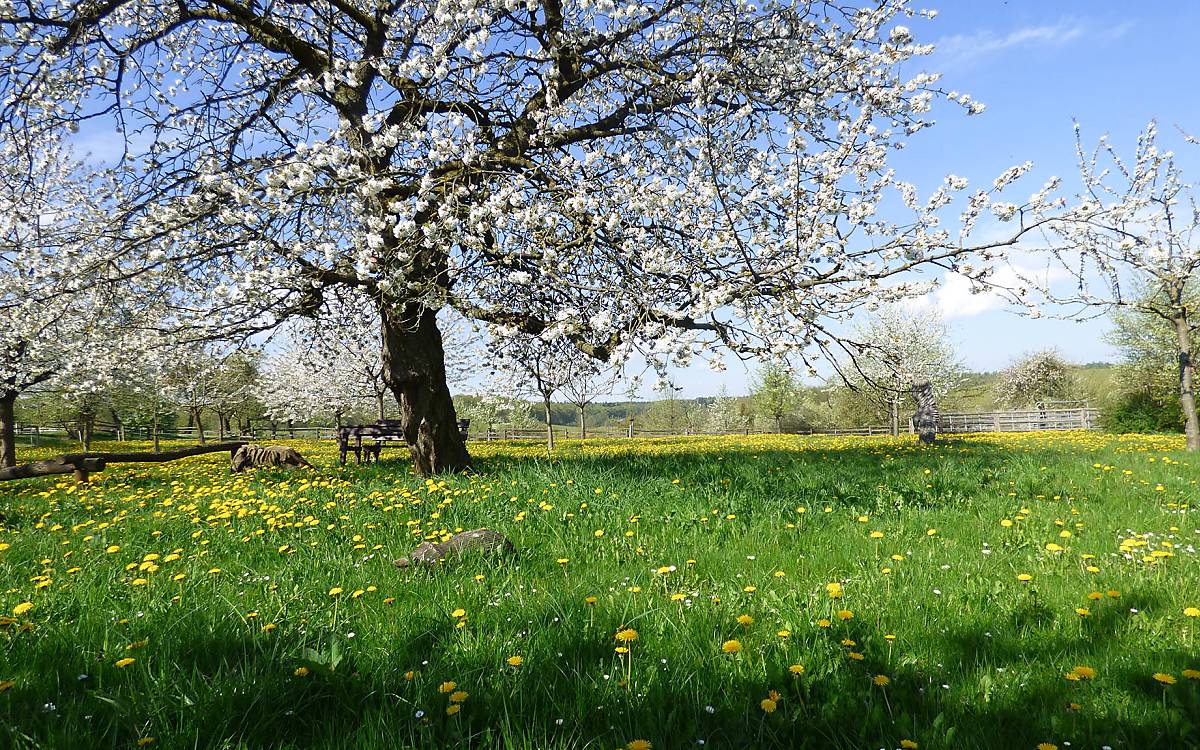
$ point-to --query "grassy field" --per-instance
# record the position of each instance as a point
(727, 592)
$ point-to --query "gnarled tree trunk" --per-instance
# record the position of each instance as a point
(8, 436)
(1187, 383)
(414, 367)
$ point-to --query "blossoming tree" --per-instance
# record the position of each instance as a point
(1131, 243)
(54, 331)
(657, 177)
(896, 349)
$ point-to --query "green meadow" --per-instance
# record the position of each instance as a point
(1018, 591)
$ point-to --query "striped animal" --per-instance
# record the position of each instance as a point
(927, 417)
(482, 540)
(256, 456)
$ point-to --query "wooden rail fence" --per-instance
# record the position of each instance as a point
(1028, 420)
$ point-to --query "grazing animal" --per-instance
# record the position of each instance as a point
(483, 540)
(256, 456)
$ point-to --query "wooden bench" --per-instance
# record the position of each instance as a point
(383, 431)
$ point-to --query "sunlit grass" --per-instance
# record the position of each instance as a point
(990, 592)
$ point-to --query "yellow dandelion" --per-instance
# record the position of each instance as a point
(731, 647)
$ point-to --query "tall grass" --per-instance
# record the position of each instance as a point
(934, 639)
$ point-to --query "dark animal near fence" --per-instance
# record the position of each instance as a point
(480, 540)
(258, 456)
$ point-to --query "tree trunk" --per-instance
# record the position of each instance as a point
(582, 423)
(414, 367)
(1187, 379)
(85, 432)
(379, 406)
(220, 427)
(195, 418)
(549, 425)
(8, 433)
(895, 416)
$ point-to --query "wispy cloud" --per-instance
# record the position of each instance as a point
(966, 49)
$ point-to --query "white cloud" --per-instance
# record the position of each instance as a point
(955, 297)
(965, 49)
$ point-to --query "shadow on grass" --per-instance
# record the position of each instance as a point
(234, 690)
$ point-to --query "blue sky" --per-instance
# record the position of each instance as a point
(1112, 65)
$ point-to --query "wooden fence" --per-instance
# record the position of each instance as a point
(951, 422)
(1021, 421)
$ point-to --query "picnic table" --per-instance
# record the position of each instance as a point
(350, 437)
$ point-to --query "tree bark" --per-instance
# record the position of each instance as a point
(195, 416)
(414, 368)
(549, 425)
(1187, 381)
(8, 433)
(895, 416)
(379, 404)
(582, 423)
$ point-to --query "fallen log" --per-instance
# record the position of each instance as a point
(143, 458)
(53, 466)
(83, 464)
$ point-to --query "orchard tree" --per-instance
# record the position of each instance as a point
(774, 392)
(1134, 244)
(724, 413)
(1036, 378)
(623, 176)
(51, 328)
(538, 367)
(587, 379)
(898, 348)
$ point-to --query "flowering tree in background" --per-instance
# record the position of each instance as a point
(622, 176)
(898, 348)
(1134, 245)
(1034, 379)
(539, 367)
(774, 392)
(725, 413)
(53, 332)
